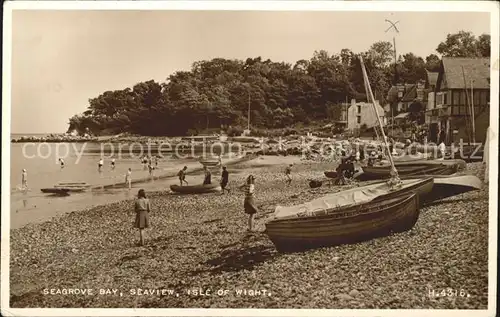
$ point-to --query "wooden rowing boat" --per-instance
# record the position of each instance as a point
(348, 224)
(408, 169)
(73, 186)
(210, 162)
(372, 192)
(195, 189)
(57, 191)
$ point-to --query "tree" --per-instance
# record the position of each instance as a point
(432, 63)
(464, 44)
(412, 68)
(217, 92)
(484, 45)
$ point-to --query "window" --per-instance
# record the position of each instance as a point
(359, 109)
(477, 100)
(445, 97)
(455, 95)
(358, 119)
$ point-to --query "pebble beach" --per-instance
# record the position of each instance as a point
(199, 253)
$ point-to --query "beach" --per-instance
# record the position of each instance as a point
(199, 255)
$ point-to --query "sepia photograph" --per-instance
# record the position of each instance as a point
(271, 158)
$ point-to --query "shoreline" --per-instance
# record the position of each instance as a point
(199, 241)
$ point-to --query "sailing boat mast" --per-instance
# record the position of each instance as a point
(384, 138)
(472, 111)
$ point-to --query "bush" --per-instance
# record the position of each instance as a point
(234, 131)
(289, 131)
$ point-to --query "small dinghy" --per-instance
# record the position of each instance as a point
(56, 191)
(210, 162)
(196, 189)
(73, 186)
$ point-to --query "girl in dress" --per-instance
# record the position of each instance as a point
(249, 203)
(142, 210)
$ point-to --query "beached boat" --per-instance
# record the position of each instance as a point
(409, 169)
(341, 225)
(452, 185)
(195, 189)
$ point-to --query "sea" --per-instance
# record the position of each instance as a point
(41, 161)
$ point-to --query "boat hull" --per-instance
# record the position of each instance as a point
(331, 174)
(196, 189)
(57, 191)
(345, 225)
(452, 185)
(409, 169)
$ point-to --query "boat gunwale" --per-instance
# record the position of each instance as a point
(379, 206)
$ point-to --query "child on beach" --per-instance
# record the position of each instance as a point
(113, 164)
(150, 168)
(224, 180)
(61, 162)
(182, 176)
(24, 180)
(128, 178)
(142, 210)
(288, 174)
(249, 203)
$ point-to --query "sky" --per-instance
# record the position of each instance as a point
(60, 59)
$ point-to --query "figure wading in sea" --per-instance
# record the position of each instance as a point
(249, 203)
(128, 178)
(24, 180)
(142, 210)
(100, 164)
(182, 176)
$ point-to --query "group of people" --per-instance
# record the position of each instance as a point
(207, 180)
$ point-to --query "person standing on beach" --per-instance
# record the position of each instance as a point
(208, 176)
(249, 203)
(150, 168)
(182, 176)
(288, 174)
(100, 164)
(113, 164)
(61, 162)
(224, 180)
(128, 179)
(24, 180)
(142, 209)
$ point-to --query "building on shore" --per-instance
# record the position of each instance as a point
(361, 115)
(461, 97)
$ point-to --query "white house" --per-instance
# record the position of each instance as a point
(362, 114)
